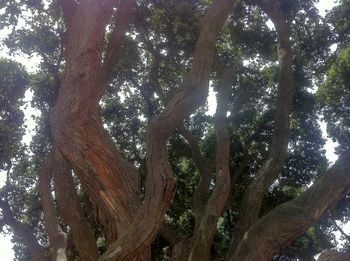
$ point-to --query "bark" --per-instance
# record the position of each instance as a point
(69, 207)
(200, 196)
(329, 255)
(69, 7)
(253, 197)
(285, 223)
(121, 24)
(57, 237)
(23, 231)
(160, 183)
(110, 181)
(204, 235)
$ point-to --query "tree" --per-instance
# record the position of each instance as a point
(139, 171)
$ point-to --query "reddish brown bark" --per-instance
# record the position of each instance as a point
(69, 207)
(77, 129)
(160, 184)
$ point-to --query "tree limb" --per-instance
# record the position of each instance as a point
(204, 235)
(253, 196)
(70, 208)
(160, 183)
(288, 221)
(57, 237)
(338, 227)
(23, 231)
(113, 52)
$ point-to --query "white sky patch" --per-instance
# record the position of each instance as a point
(7, 253)
(29, 114)
(211, 101)
(330, 145)
(325, 5)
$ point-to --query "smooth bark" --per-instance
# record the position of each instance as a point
(57, 237)
(205, 232)
(270, 170)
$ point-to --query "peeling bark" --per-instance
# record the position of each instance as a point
(110, 181)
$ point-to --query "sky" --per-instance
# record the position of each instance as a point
(6, 252)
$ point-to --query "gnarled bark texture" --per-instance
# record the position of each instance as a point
(110, 181)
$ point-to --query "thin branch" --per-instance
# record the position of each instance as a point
(271, 169)
(23, 231)
(57, 237)
(113, 52)
(338, 227)
(204, 234)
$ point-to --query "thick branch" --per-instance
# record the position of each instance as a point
(331, 255)
(70, 208)
(253, 197)
(204, 235)
(285, 223)
(21, 230)
(57, 237)
(160, 183)
(200, 196)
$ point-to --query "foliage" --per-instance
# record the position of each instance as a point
(157, 52)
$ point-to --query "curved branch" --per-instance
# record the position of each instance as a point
(57, 237)
(111, 182)
(160, 183)
(285, 223)
(69, 207)
(204, 235)
(21, 230)
(253, 196)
